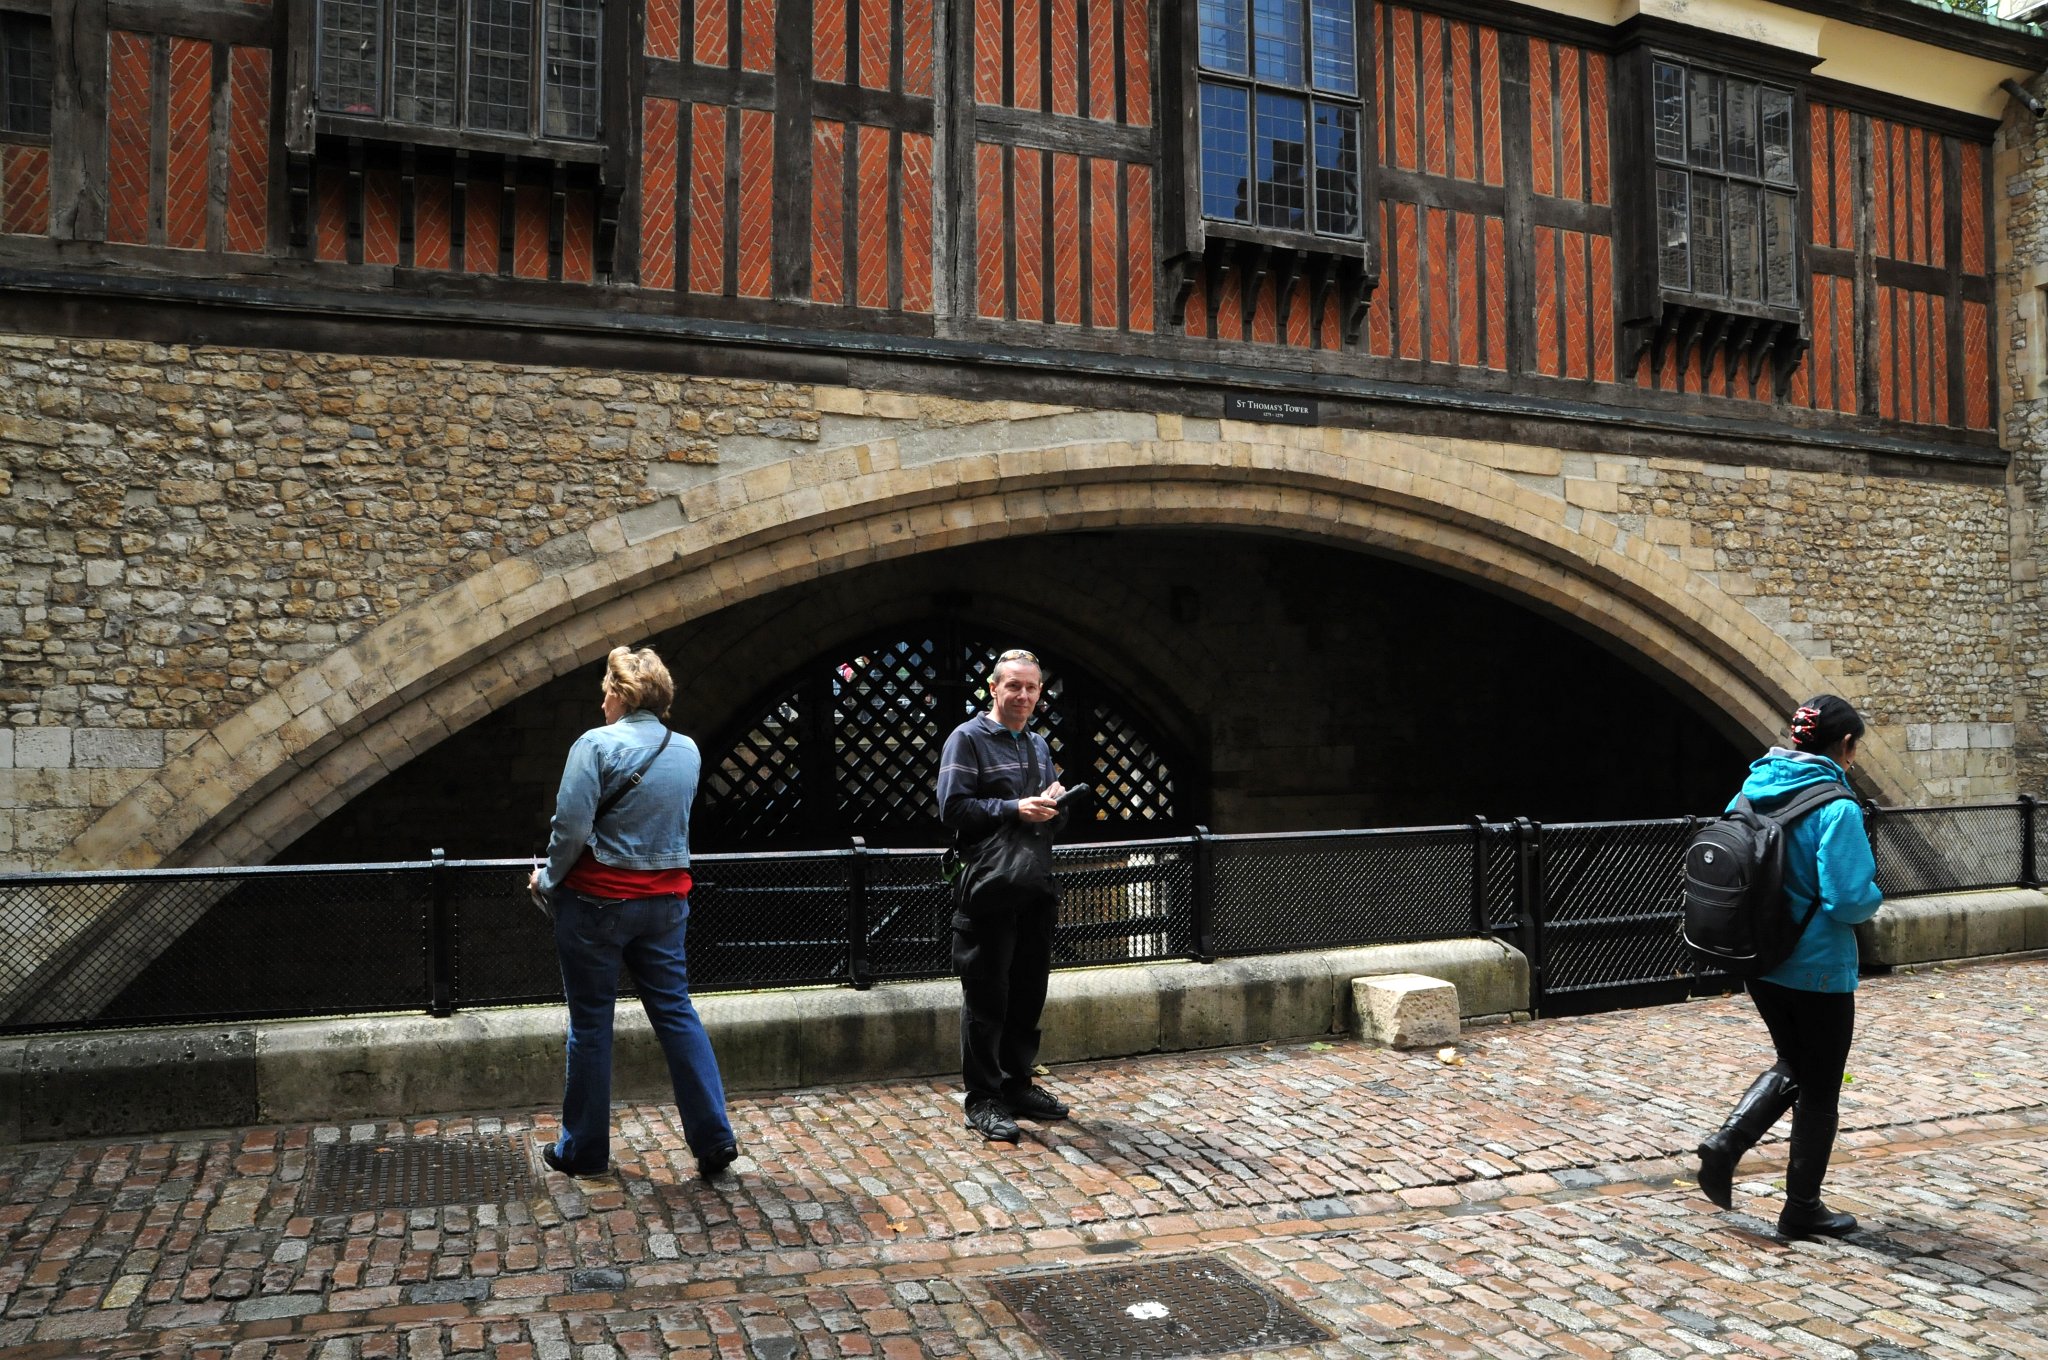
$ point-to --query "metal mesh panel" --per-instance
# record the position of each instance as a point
(569, 91)
(1372, 887)
(1941, 849)
(501, 65)
(502, 948)
(768, 920)
(1612, 897)
(205, 945)
(910, 911)
(2040, 842)
(1503, 910)
(1123, 903)
(348, 56)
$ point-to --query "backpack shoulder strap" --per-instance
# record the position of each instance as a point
(1807, 799)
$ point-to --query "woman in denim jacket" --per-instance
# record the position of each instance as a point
(1809, 1001)
(620, 887)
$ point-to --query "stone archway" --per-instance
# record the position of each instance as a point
(302, 750)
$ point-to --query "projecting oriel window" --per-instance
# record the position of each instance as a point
(1281, 115)
(521, 68)
(1727, 187)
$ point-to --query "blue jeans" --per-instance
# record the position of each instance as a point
(646, 934)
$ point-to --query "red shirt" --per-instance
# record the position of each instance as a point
(602, 881)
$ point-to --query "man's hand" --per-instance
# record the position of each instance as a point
(533, 880)
(1042, 807)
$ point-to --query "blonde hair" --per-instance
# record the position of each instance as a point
(640, 679)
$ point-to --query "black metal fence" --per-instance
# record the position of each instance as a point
(1593, 905)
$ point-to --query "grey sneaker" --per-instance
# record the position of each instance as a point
(986, 1118)
(1034, 1102)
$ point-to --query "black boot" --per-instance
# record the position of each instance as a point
(1767, 1098)
(1804, 1215)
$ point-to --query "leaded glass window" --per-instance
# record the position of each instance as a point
(424, 41)
(522, 68)
(1279, 95)
(25, 73)
(1727, 189)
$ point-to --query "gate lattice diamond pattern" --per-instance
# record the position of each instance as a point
(852, 745)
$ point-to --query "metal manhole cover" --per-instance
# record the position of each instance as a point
(1157, 1310)
(418, 1173)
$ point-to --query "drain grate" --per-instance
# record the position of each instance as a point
(418, 1173)
(1159, 1310)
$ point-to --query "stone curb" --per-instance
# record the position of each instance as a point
(119, 1083)
(1942, 927)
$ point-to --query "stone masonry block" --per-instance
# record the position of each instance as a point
(1405, 1010)
(117, 748)
(42, 748)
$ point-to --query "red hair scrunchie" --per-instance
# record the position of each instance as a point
(1804, 720)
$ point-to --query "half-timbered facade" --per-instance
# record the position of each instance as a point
(1622, 256)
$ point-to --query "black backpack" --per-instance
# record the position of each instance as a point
(1735, 917)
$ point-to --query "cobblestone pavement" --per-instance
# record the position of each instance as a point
(1528, 1199)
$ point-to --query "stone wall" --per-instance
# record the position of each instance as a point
(182, 529)
(1904, 585)
(2020, 183)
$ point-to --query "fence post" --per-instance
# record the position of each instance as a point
(1202, 910)
(858, 970)
(1480, 924)
(2030, 872)
(1529, 904)
(440, 939)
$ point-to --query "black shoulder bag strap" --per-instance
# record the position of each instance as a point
(1801, 803)
(632, 781)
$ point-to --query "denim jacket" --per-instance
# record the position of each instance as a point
(648, 827)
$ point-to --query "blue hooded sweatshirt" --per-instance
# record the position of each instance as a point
(1827, 855)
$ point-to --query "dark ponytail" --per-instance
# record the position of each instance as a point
(1824, 720)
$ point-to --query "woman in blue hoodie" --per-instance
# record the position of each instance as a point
(1809, 1000)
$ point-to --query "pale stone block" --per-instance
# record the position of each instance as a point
(117, 748)
(6, 748)
(1524, 458)
(1588, 494)
(1405, 1010)
(42, 748)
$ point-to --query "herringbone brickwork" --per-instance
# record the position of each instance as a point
(658, 131)
(828, 212)
(248, 190)
(128, 137)
(707, 198)
(191, 143)
(757, 201)
(380, 217)
(871, 217)
(25, 190)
